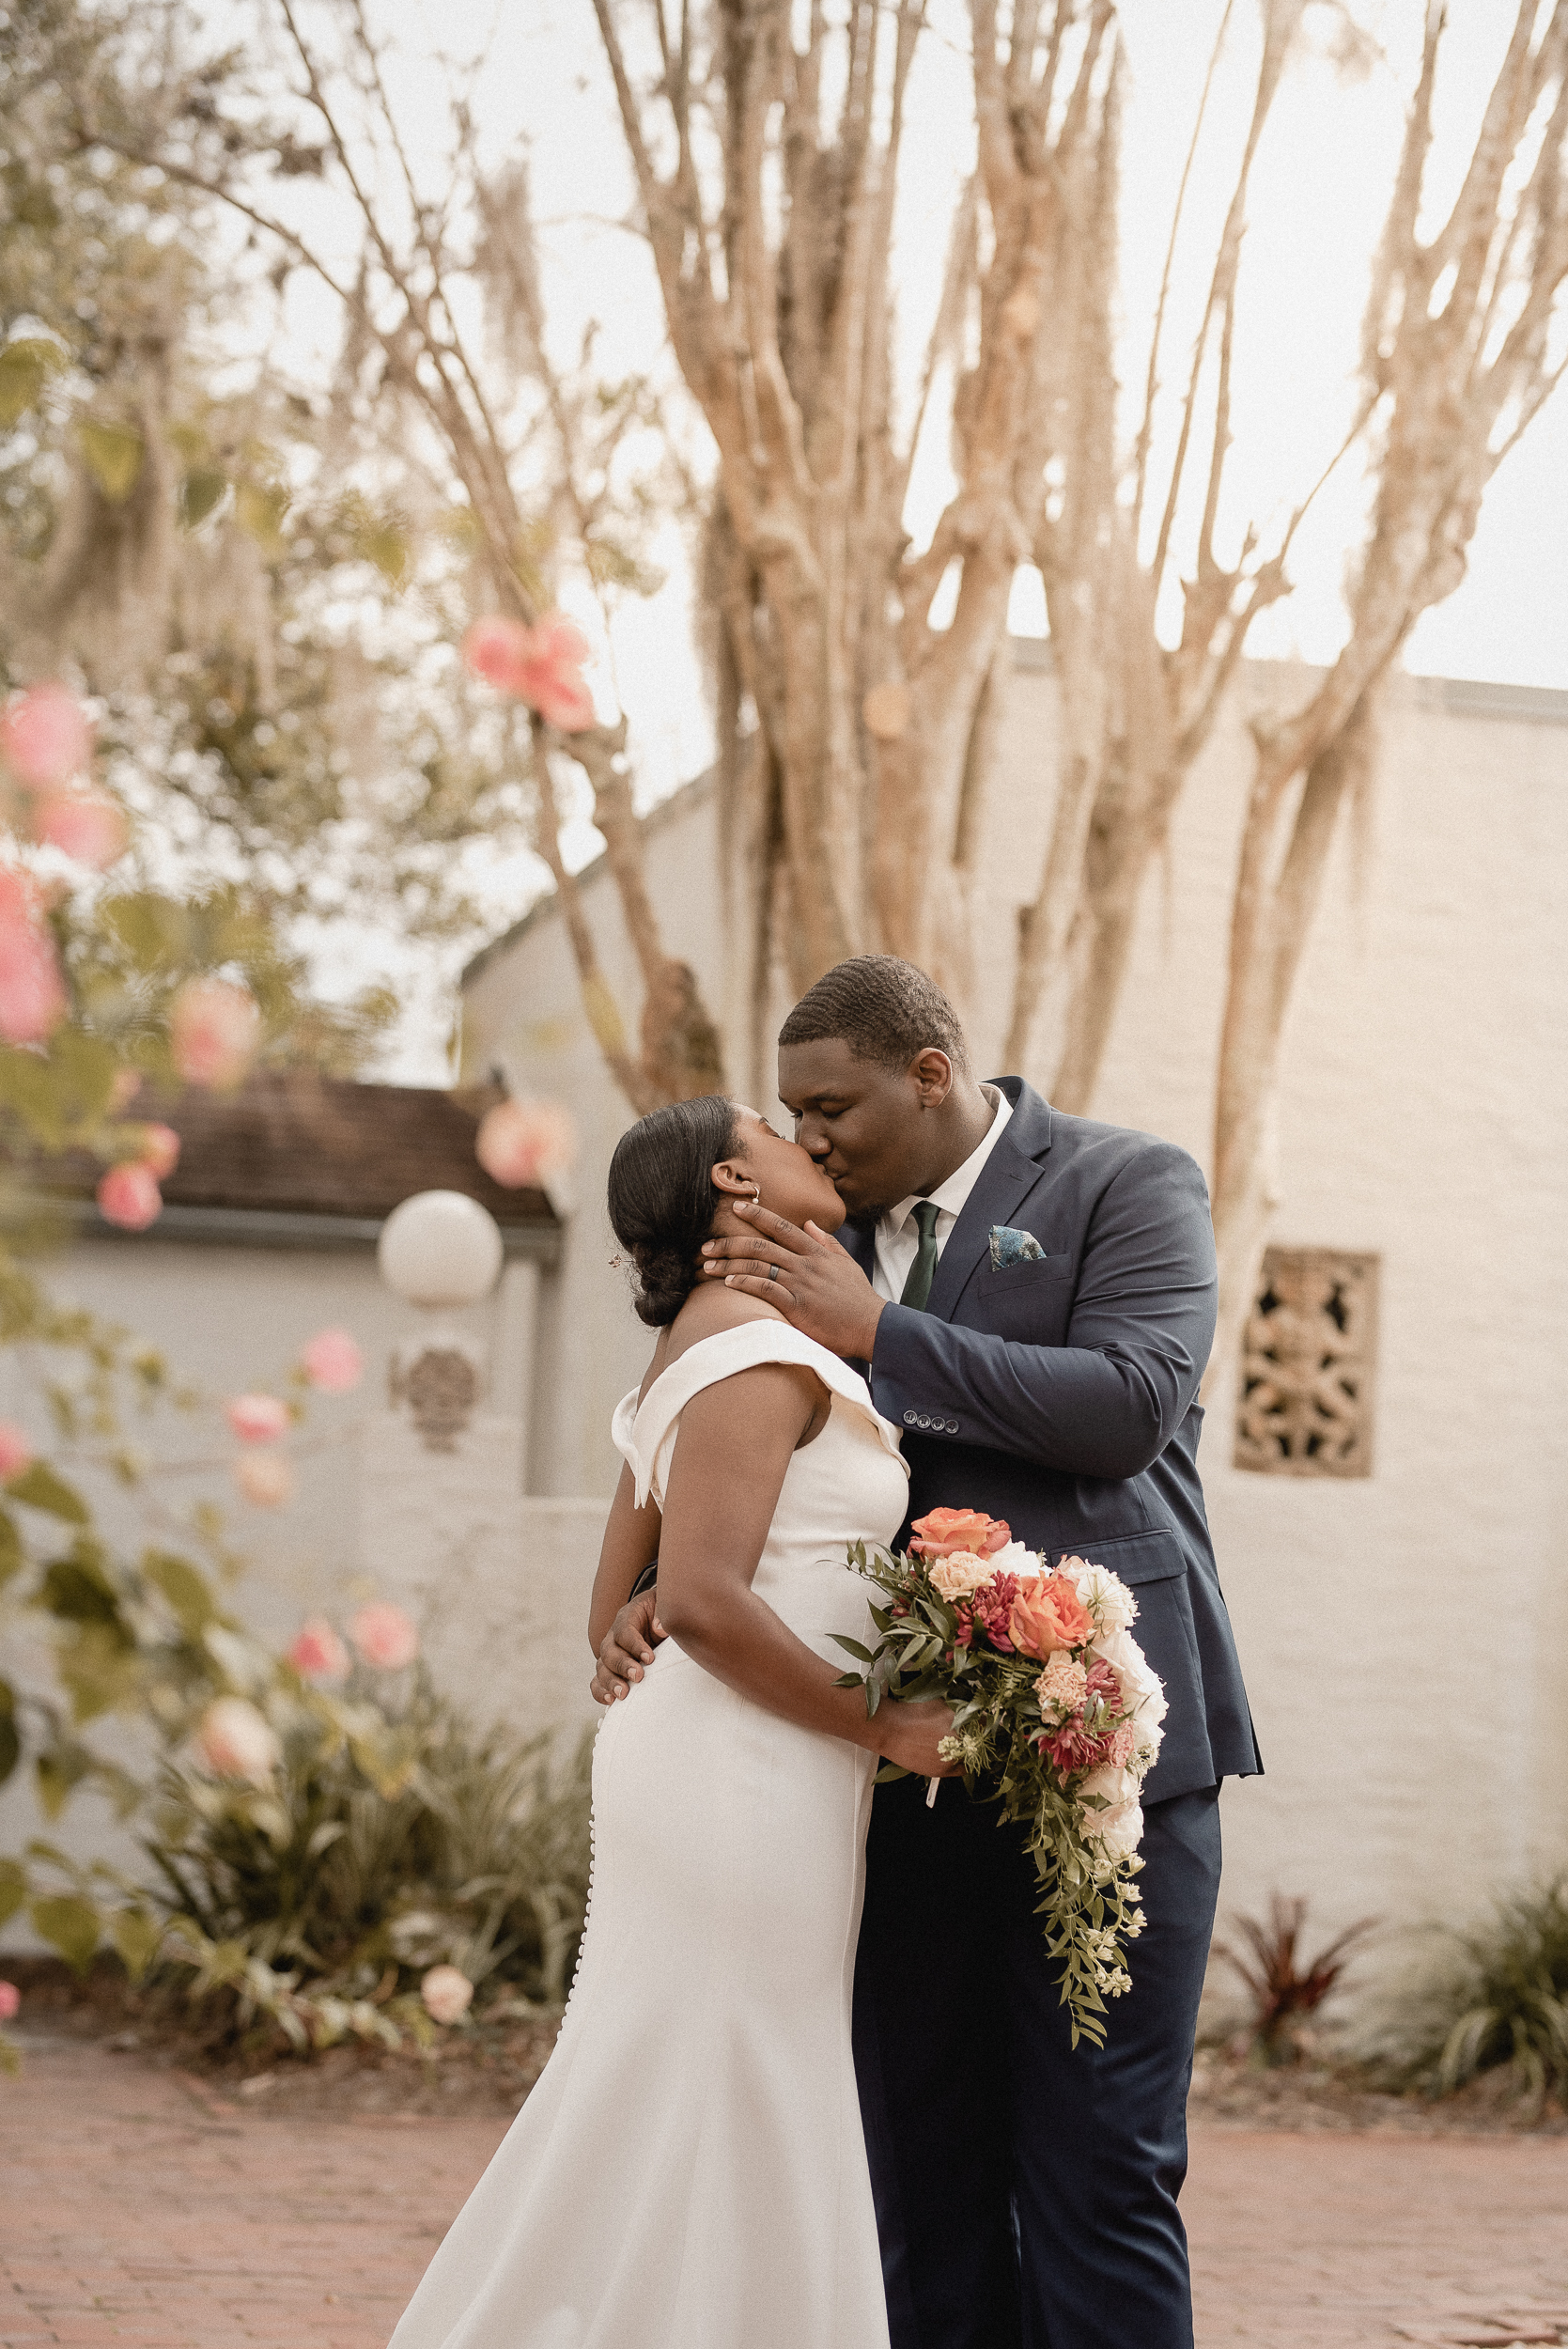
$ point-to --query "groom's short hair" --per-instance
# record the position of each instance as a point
(885, 1010)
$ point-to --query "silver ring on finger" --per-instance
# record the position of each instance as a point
(773, 1272)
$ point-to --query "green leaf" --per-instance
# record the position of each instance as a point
(113, 455)
(889, 1771)
(154, 930)
(260, 510)
(851, 1647)
(76, 1589)
(38, 1487)
(13, 1888)
(136, 1934)
(199, 492)
(11, 1555)
(98, 1671)
(58, 1772)
(25, 367)
(184, 1586)
(68, 1926)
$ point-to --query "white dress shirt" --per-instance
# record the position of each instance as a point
(898, 1234)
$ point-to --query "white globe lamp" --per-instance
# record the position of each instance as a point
(440, 1248)
(438, 1251)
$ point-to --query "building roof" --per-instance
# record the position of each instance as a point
(297, 1160)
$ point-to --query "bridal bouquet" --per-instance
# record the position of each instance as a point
(1054, 1708)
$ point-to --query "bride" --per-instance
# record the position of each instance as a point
(690, 2171)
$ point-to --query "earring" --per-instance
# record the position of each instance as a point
(756, 1194)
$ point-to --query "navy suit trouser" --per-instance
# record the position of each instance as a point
(1026, 2190)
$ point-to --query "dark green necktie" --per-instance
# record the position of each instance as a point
(917, 1289)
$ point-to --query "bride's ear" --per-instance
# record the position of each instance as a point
(732, 1181)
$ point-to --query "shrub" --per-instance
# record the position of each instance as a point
(1502, 2002)
(475, 1855)
(1285, 1986)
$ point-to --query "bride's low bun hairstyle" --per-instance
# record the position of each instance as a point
(662, 1200)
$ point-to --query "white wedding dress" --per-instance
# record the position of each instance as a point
(690, 2171)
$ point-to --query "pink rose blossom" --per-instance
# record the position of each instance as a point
(384, 1636)
(257, 1418)
(159, 1151)
(128, 1195)
(265, 1478)
(447, 1993)
(233, 1740)
(16, 1451)
(44, 739)
(11, 1998)
(84, 825)
(32, 992)
(213, 1027)
(496, 649)
(317, 1653)
(332, 1361)
(521, 1144)
(538, 665)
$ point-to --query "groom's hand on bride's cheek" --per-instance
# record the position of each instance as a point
(819, 1283)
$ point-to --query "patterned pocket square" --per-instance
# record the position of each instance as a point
(1009, 1247)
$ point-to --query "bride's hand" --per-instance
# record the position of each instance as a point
(911, 1733)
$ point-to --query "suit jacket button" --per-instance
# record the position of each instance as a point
(909, 1420)
(953, 1427)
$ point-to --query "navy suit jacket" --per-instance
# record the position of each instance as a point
(1062, 1394)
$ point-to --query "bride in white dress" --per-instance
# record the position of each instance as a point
(690, 2171)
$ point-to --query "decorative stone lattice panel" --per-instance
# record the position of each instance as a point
(1309, 1362)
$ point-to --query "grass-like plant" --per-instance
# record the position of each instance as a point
(350, 1892)
(1503, 2001)
(1284, 1984)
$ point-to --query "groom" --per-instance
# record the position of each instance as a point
(1031, 1297)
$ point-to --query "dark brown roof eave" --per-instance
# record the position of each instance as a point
(534, 1241)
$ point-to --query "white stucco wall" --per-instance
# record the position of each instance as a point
(1413, 1754)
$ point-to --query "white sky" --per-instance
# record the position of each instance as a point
(1320, 191)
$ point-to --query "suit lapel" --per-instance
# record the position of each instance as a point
(1012, 1170)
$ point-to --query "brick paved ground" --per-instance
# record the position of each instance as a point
(138, 2208)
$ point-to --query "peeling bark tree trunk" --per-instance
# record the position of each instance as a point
(864, 791)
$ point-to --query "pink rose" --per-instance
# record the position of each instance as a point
(538, 665)
(496, 649)
(1049, 1614)
(384, 1636)
(332, 1361)
(44, 739)
(84, 825)
(213, 1029)
(128, 1195)
(265, 1478)
(317, 1652)
(159, 1151)
(16, 1451)
(257, 1418)
(520, 1144)
(32, 992)
(941, 1532)
(447, 1993)
(233, 1740)
(11, 1998)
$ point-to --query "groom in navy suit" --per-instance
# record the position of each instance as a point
(1032, 1298)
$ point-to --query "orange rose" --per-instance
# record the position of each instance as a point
(1049, 1614)
(941, 1532)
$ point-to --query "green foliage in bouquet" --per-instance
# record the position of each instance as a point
(1087, 1895)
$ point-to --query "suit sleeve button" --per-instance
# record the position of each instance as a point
(910, 1418)
(953, 1427)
